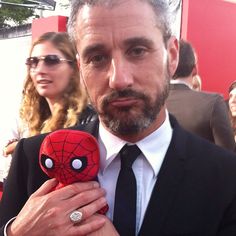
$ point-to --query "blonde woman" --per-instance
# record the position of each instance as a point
(52, 95)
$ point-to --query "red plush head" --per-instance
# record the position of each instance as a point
(69, 156)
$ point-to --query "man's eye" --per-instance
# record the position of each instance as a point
(137, 51)
(98, 60)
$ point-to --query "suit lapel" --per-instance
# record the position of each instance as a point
(91, 127)
(169, 179)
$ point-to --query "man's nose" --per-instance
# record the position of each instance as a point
(120, 74)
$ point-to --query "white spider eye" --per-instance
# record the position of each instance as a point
(49, 163)
(77, 164)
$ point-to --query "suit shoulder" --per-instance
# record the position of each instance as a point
(193, 146)
(208, 151)
(210, 95)
(33, 141)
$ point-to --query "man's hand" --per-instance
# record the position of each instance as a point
(10, 147)
(107, 229)
(47, 213)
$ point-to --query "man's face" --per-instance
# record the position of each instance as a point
(124, 64)
(232, 102)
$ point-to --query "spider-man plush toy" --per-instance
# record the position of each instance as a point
(70, 156)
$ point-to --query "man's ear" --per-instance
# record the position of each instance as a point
(78, 60)
(194, 71)
(173, 54)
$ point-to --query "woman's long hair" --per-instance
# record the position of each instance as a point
(34, 110)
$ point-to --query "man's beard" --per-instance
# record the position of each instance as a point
(133, 119)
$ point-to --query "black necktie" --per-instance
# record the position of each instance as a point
(124, 218)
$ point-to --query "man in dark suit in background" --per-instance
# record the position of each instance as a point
(201, 113)
(185, 185)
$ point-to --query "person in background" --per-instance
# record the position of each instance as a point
(53, 97)
(182, 184)
(201, 113)
(232, 106)
(197, 83)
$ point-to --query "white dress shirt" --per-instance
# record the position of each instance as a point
(146, 167)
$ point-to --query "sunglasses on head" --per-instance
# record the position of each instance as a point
(49, 60)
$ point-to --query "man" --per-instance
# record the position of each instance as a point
(185, 185)
(201, 113)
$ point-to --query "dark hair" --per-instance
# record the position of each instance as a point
(232, 86)
(187, 60)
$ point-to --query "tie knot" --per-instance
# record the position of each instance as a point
(128, 155)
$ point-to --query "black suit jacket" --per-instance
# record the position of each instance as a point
(195, 192)
(201, 113)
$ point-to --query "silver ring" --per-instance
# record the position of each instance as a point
(76, 216)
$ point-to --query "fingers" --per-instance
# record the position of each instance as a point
(46, 187)
(65, 192)
(87, 196)
(90, 209)
(87, 202)
(93, 224)
(74, 189)
(97, 225)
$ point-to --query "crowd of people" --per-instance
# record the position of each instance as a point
(122, 76)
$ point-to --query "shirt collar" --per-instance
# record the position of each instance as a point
(179, 81)
(153, 147)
